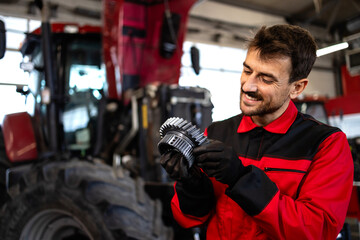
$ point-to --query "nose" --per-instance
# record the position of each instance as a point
(248, 83)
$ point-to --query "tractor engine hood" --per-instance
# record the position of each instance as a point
(142, 42)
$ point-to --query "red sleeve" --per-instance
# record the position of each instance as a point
(319, 211)
(185, 220)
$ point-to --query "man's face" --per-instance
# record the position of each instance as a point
(265, 88)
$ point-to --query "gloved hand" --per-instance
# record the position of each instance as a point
(177, 168)
(194, 189)
(220, 161)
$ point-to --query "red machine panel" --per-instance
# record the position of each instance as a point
(350, 84)
(143, 42)
(19, 137)
(347, 104)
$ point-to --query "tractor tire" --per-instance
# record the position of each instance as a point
(80, 200)
(4, 164)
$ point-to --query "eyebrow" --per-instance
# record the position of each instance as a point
(269, 75)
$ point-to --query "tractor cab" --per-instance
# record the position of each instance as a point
(81, 80)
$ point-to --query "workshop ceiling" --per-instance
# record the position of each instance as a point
(340, 17)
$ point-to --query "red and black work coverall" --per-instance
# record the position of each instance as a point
(297, 185)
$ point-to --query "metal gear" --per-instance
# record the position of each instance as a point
(182, 136)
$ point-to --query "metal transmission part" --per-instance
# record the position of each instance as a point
(182, 136)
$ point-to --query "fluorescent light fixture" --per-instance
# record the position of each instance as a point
(332, 48)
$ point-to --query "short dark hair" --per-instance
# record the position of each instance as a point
(289, 41)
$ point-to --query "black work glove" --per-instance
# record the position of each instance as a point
(193, 187)
(220, 161)
(177, 167)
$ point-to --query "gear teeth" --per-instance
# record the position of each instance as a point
(176, 123)
(177, 133)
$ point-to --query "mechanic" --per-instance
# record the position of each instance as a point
(270, 172)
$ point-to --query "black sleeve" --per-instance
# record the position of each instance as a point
(253, 191)
(196, 196)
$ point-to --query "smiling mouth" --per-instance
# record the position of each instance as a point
(252, 96)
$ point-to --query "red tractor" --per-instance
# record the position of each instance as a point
(85, 164)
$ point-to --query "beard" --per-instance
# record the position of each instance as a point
(266, 107)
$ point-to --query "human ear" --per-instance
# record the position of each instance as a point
(298, 87)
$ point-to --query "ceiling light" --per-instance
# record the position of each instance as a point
(332, 48)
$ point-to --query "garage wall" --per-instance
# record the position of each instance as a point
(322, 83)
(322, 80)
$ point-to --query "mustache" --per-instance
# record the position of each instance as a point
(252, 94)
